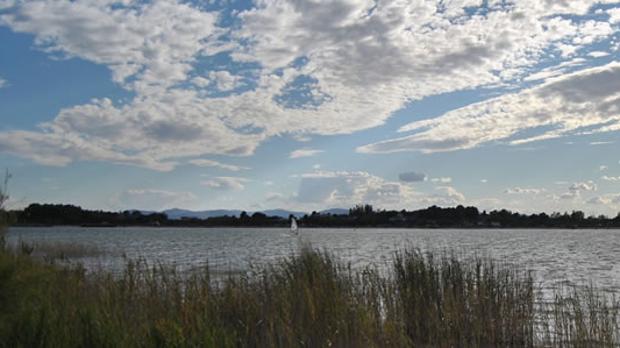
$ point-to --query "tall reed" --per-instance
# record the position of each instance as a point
(310, 299)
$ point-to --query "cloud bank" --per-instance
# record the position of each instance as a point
(584, 102)
(301, 68)
(343, 188)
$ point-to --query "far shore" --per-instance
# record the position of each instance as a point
(325, 227)
(360, 216)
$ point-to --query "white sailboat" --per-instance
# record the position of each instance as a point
(294, 227)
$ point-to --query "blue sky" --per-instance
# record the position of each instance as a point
(309, 105)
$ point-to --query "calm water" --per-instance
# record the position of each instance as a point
(577, 256)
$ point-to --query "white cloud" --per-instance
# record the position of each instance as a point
(602, 168)
(608, 199)
(614, 15)
(3, 83)
(304, 153)
(449, 194)
(56, 150)
(611, 178)
(224, 80)
(331, 68)
(225, 183)
(274, 196)
(580, 103)
(201, 81)
(575, 190)
(155, 43)
(598, 54)
(343, 188)
(418, 177)
(216, 164)
(301, 138)
(556, 70)
(443, 180)
(524, 190)
(583, 186)
(153, 199)
(100, 130)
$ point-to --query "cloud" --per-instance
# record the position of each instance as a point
(583, 186)
(58, 150)
(148, 56)
(302, 68)
(602, 168)
(444, 180)
(154, 199)
(274, 196)
(216, 164)
(101, 131)
(522, 190)
(584, 102)
(304, 153)
(131, 39)
(225, 183)
(418, 177)
(412, 177)
(221, 80)
(598, 54)
(614, 15)
(449, 194)
(224, 80)
(608, 199)
(575, 190)
(3, 83)
(301, 138)
(344, 188)
(611, 178)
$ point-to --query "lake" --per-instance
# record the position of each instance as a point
(576, 256)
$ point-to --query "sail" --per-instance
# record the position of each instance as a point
(294, 227)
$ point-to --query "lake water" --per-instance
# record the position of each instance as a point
(576, 256)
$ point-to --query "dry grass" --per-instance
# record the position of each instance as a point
(51, 251)
(306, 300)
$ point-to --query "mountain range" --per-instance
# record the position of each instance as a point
(176, 213)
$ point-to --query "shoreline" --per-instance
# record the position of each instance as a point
(321, 227)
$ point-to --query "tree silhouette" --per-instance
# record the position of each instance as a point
(361, 215)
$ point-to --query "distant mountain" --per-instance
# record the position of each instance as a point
(336, 211)
(283, 213)
(175, 214)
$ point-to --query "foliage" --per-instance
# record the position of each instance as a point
(4, 215)
(359, 216)
(361, 210)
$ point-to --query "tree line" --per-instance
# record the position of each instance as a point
(358, 216)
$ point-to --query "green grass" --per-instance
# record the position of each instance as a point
(307, 300)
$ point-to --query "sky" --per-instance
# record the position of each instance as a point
(307, 105)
